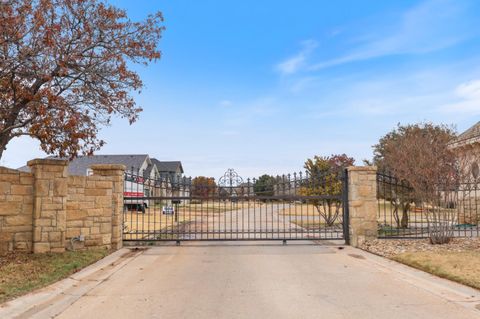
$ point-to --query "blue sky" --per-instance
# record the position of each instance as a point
(260, 86)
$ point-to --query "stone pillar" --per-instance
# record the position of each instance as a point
(49, 204)
(362, 203)
(116, 173)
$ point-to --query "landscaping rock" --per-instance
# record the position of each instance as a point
(392, 247)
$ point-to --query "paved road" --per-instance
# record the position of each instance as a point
(300, 280)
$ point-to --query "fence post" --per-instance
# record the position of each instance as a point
(362, 204)
(117, 173)
(49, 204)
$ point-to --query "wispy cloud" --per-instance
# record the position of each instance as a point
(296, 62)
(428, 27)
(467, 99)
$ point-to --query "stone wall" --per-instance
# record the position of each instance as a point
(16, 210)
(48, 211)
(92, 207)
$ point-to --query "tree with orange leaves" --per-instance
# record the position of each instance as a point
(64, 70)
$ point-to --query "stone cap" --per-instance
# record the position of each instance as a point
(47, 161)
(108, 167)
(362, 168)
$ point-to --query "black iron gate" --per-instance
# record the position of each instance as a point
(289, 207)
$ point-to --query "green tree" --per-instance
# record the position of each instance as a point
(203, 187)
(325, 179)
(264, 186)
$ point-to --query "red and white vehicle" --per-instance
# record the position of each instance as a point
(135, 193)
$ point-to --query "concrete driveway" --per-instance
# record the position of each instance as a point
(248, 280)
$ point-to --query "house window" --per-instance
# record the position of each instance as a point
(475, 170)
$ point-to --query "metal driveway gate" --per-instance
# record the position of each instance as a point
(288, 207)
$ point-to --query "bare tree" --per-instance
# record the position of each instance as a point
(420, 155)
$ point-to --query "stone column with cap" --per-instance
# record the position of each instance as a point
(362, 202)
(50, 190)
(116, 173)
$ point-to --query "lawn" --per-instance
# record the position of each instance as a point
(24, 272)
(138, 225)
(310, 224)
(462, 266)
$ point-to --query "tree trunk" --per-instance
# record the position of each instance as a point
(404, 220)
(3, 144)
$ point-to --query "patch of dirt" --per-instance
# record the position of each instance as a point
(392, 247)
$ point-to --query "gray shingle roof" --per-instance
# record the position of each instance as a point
(79, 165)
(167, 166)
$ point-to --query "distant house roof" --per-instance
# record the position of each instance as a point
(168, 166)
(469, 137)
(80, 165)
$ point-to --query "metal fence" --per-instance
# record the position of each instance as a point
(401, 215)
(288, 207)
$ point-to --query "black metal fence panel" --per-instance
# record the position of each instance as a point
(288, 207)
(401, 215)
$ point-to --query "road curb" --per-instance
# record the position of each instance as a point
(50, 301)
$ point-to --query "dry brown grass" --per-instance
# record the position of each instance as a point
(23, 272)
(462, 267)
(150, 222)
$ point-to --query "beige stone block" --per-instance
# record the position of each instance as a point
(97, 192)
(87, 205)
(23, 246)
(76, 181)
(77, 214)
(5, 188)
(106, 239)
(366, 191)
(58, 250)
(74, 223)
(108, 212)
(42, 187)
(14, 198)
(48, 214)
(26, 180)
(9, 208)
(95, 212)
(5, 236)
(90, 184)
(55, 236)
(72, 205)
(73, 232)
(13, 178)
(105, 228)
(60, 187)
(21, 189)
(44, 237)
(95, 230)
(18, 220)
(28, 200)
(104, 184)
(43, 222)
(104, 201)
(52, 206)
(39, 248)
